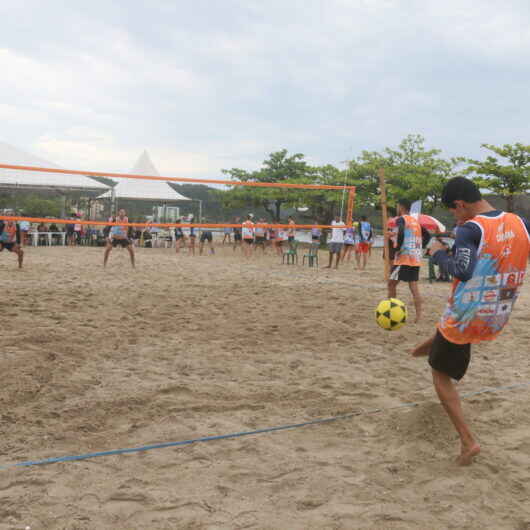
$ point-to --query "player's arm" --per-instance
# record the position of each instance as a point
(464, 259)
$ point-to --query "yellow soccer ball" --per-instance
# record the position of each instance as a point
(391, 314)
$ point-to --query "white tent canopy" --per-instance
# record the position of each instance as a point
(20, 179)
(155, 190)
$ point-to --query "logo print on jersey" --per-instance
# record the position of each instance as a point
(505, 308)
(491, 296)
(493, 281)
(487, 310)
(471, 297)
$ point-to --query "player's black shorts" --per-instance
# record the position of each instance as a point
(449, 358)
(206, 236)
(237, 236)
(248, 241)
(7, 246)
(260, 240)
(405, 273)
(122, 242)
(179, 236)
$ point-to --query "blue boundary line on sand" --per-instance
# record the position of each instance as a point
(86, 456)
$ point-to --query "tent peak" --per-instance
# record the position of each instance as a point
(144, 166)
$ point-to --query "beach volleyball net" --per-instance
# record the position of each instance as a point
(98, 188)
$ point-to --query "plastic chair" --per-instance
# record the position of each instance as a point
(291, 254)
(312, 255)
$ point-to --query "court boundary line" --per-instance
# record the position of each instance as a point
(164, 445)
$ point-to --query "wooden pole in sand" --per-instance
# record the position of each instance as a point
(384, 212)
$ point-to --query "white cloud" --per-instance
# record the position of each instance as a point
(83, 148)
(215, 85)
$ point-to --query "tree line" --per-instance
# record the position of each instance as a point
(412, 171)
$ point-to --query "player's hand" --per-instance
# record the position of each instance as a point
(436, 246)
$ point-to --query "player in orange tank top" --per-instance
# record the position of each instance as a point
(408, 256)
(490, 258)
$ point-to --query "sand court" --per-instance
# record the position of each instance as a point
(184, 347)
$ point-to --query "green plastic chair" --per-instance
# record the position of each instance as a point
(291, 254)
(312, 255)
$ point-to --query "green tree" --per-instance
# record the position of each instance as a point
(35, 206)
(506, 180)
(279, 167)
(412, 172)
(322, 205)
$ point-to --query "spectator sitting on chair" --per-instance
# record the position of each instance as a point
(147, 237)
(42, 229)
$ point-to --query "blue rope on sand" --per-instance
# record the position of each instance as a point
(86, 456)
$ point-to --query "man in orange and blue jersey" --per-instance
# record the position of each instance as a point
(489, 262)
(408, 254)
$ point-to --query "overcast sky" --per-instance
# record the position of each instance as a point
(205, 85)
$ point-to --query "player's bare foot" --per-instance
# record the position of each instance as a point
(467, 454)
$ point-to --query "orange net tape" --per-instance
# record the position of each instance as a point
(176, 179)
(160, 225)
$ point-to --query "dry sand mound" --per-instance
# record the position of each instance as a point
(93, 360)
